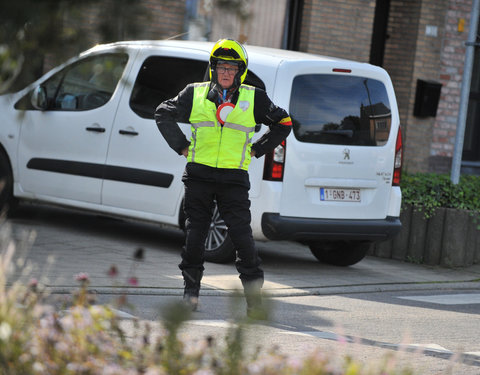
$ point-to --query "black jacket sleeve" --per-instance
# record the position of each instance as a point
(169, 113)
(276, 118)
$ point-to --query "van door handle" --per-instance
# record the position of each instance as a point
(95, 129)
(128, 132)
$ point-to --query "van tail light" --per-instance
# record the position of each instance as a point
(275, 163)
(397, 167)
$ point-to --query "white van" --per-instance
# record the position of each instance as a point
(87, 139)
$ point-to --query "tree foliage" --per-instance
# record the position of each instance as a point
(30, 30)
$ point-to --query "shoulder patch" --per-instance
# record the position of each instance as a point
(286, 121)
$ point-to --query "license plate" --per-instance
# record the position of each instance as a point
(340, 195)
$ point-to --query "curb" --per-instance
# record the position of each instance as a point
(284, 292)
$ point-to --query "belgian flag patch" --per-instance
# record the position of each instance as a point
(286, 121)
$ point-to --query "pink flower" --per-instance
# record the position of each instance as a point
(133, 281)
(82, 277)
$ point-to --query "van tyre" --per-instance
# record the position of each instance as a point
(218, 245)
(339, 253)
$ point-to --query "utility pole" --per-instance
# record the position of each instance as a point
(465, 93)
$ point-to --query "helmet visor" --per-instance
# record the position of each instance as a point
(226, 53)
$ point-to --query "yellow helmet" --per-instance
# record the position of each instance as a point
(230, 51)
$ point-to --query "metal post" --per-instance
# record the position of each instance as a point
(465, 93)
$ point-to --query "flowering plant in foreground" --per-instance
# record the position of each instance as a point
(36, 339)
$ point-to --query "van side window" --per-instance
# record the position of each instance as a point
(162, 78)
(86, 84)
(340, 109)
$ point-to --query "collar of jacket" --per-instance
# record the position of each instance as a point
(215, 95)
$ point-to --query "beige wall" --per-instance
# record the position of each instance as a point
(341, 28)
(263, 28)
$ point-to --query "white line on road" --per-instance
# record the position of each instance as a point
(447, 299)
(211, 323)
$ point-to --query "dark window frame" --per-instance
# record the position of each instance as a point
(147, 93)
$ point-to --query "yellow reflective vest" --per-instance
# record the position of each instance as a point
(226, 146)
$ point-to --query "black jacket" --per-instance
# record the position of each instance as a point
(178, 109)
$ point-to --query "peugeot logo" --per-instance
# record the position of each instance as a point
(346, 154)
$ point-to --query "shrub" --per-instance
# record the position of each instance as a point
(428, 191)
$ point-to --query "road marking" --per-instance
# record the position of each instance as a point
(211, 323)
(435, 350)
(320, 334)
(447, 299)
(122, 314)
(470, 358)
(431, 347)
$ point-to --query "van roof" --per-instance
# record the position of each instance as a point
(253, 51)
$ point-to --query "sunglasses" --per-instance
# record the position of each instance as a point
(230, 71)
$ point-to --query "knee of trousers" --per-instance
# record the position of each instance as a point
(196, 233)
(240, 232)
(197, 225)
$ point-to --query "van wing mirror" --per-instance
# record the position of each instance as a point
(39, 98)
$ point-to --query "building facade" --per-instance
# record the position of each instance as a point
(421, 43)
(424, 40)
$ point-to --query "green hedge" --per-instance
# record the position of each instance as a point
(429, 191)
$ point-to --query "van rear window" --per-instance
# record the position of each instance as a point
(340, 109)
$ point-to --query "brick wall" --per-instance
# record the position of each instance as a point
(413, 54)
(399, 59)
(165, 19)
(452, 58)
(342, 28)
(153, 19)
(264, 27)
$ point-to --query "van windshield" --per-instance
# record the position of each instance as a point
(340, 109)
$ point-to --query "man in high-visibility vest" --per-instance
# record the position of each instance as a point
(223, 113)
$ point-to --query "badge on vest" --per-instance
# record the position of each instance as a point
(243, 104)
(223, 111)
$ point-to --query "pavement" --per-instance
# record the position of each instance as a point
(54, 245)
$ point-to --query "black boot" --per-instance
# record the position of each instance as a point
(192, 278)
(253, 294)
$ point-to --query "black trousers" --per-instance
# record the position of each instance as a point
(234, 207)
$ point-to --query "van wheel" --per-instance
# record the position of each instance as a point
(339, 253)
(7, 202)
(218, 246)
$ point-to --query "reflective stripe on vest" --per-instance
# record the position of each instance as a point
(216, 146)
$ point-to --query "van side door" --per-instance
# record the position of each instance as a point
(62, 148)
(144, 174)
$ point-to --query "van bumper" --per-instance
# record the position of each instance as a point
(276, 227)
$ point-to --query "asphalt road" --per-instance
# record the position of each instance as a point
(375, 307)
